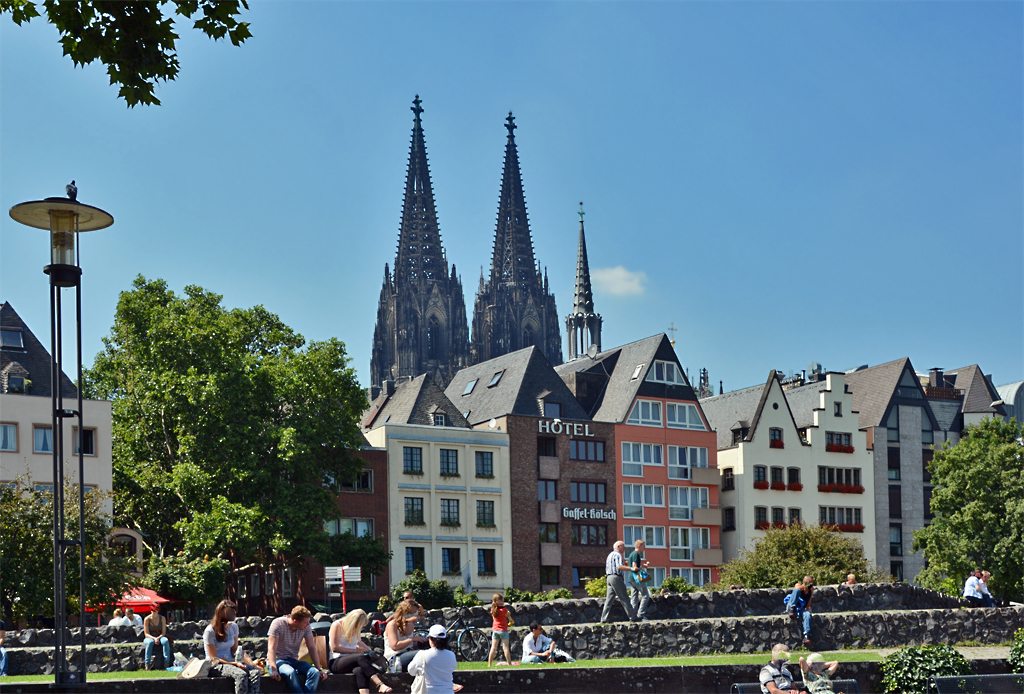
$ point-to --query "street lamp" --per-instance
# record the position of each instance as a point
(65, 218)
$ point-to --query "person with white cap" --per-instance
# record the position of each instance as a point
(775, 676)
(818, 674)
(436, 664)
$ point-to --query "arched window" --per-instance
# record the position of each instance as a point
(528, 336)
(433, 338)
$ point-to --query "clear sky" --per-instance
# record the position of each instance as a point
(785, 182)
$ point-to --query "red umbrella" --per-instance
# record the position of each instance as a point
(140, 599)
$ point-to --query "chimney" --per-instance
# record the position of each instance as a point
(374, 392)
(803, 375)
(935, 377)
(389, 387)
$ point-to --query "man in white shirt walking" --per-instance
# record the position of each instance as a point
(614, 565)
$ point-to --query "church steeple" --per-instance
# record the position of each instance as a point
(513, 261)
(583, 326)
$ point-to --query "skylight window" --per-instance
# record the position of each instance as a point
(11, 338)
(470, 386)
(495, 378)
(636, 372)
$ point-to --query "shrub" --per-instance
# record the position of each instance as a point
(556, 594)
(385, 604)
(675, 584)
(597, 587)
(516, 595)
(908, 670)
(1016, 657)
(431, 594)
(464, 599)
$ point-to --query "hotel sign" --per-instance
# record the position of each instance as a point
(588, 513)
(557, 426)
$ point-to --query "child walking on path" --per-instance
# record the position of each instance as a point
(499, 630)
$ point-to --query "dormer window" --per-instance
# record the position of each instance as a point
(495, 378)
(11, 339)
(470, 386)
(15, 384)
(666, 372)
(552, 409)
(440, 419)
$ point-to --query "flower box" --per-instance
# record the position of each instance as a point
(761, 525)
(835, 488)
(776, 443)
(779, 486)
(413, 472)
(451, 523)
(763, 484)
(795, 487)
(845, 527)
(450, 475)
(838, 448)
(778, 524)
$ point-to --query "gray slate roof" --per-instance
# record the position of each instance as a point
(978, 392)
(32, 362)
(873, 388)
(413, 402)
(527, 378)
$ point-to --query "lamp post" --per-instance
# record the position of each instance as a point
(65, 218)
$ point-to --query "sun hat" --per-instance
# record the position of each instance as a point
(438, 631)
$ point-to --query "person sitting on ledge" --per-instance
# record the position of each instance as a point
(799, 605)
(851, 580)
(818, 674)
(775, 676)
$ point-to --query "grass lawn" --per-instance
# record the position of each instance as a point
(134, 675)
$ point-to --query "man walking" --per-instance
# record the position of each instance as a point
(640, 595)
(614, 565)
(283, 639)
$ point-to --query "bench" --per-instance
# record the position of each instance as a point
(845, 686)
(977, 684)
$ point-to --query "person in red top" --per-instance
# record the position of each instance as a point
(499, 630)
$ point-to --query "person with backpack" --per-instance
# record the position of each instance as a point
(798, 605)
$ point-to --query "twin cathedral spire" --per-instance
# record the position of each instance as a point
(421, 317)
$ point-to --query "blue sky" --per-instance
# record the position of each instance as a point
(784, 182)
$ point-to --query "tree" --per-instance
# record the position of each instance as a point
(26, 544)
(135, 40)
(978, 509)
(785, 555)
(230, 439)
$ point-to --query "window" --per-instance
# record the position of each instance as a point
(728, 518)
(549, 532)
(450, 563)
(582, 574)
(450, 512)
(412, 460)
(42, 487)
(893, 424)
(413, 510)
(547, 446)
(587, 492)
(11, 339)
(358, 527)
(653, 535)
(485, 562)
(636, 372)
(449, 462)
(793, 475)
(760, 515)
(778, 515)
(485, 514)
(243, 587)
(894, 463)
(88, 438)
(775, 438)
(549, 575)
(268, 582)
(896, 540)
(9, 437)
(495, 378)
(928, 515)
(679, 544)
(546, 490)
(837, 409)
(255, 585)
(666, 372)
(440, 420)
(43, 439)
(837, 515)
(636, 496)
(646, 413)
(470, 386)
(484, 464)
(896, 569)
(287, 582)
(682, 499)
(683, 416)
(552, 409)
(586, 450)
(657, 575)
(927, 455)
(895, 501)
(728, 480)
(596, 535)
(682, 458)
(415, 559)
(760, 473)
(363, 483)
(776, 475)
(834, 438)
(636, 455)
(794, 516)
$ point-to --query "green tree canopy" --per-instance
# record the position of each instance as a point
(135, 40)
(785, 555)
(26, 545)
(230, 434)
(978, 508)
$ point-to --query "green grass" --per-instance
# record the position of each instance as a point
(134, 675)
(721, 659)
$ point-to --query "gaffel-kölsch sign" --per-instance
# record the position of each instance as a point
(588, 513)
(557, 426)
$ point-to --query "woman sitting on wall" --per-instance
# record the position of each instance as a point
(398, 637)
(221, 641)
(349, 653)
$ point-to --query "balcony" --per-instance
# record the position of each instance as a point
(548, 467)
(707, 516)
(549, 511)
(550, 554)
(705, 475)
(708, 557)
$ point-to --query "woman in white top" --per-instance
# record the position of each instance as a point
(436, 664)
(119, 620)
(398, 637)
(350, 654)
(221, 641)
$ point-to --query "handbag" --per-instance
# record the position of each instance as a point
(195, 668)
(641, 576)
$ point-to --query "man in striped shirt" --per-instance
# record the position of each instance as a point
(614, 565)
(283, 639)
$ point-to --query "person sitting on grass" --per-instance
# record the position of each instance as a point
(818, 674)
(538, 648)
(775, 677)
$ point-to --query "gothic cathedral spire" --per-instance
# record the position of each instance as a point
(421, 317)
(583, 326)
(514, 308)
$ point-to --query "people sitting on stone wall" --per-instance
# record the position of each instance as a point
(972, 589)
(798, 605)
(851, 580)
(775, 677)
(986, 597)
(818, 673)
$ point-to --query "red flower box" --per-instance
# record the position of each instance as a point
(844, 527)
(776, 443)
(841, 488)
(780, 486)
(761, 525)
(838, 448)
(763, 484)
(795, 487)
(778, 524)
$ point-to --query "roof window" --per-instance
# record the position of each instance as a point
(495, 378)
(470, 386)
(666, 372)
(636, 372)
